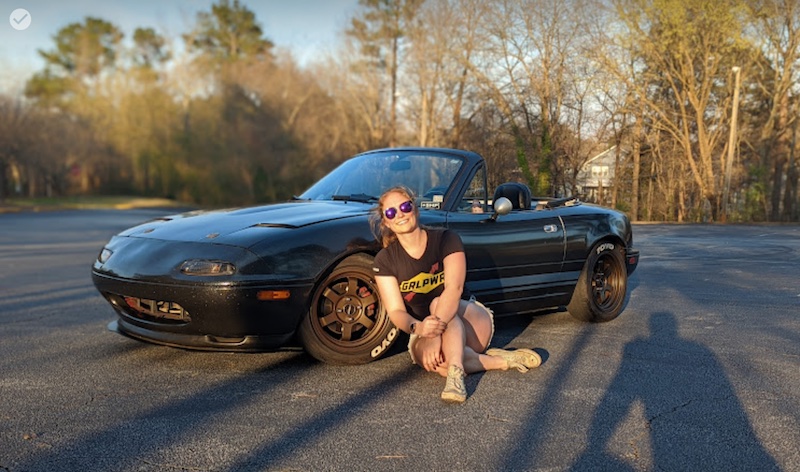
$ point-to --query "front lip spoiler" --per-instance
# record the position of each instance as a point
(206, 342)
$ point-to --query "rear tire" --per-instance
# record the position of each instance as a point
(602, 285)
(347, 323)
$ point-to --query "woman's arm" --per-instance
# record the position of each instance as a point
(392, 300)
(455, 273)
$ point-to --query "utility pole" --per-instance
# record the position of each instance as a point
(731, 145)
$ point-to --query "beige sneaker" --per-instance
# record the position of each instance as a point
(520, 359)
(454, 388)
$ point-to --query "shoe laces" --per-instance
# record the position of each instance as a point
(455, 378)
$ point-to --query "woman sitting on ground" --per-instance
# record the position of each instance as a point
(420, 273)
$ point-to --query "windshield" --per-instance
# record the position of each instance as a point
(366, 177)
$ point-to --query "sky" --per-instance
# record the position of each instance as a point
(307, 27)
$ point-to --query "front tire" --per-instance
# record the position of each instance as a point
(346, 322)
(602, 285)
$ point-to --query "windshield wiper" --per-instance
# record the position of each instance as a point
(356, 197)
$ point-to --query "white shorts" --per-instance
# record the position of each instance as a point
(413, 338)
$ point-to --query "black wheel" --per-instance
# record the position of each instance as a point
(347, 323)
(602, 285)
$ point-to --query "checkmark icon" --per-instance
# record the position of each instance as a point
(20, 19)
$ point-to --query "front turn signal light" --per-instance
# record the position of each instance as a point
(273, 295)
(207, 268)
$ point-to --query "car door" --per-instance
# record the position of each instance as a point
(513, 261)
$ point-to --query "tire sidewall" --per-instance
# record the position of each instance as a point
(582, 305)
(323, 346)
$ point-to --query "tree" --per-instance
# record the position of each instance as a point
(149, 50)
(528, 58)
(10, 113)
(82, 52)
(227, 126)
(684, 51)
(442, 39)
(229, 32)
(379, 30)
(84, 58)
(775, 32)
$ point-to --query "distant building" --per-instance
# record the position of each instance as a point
(596, 177)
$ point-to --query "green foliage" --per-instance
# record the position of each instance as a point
(149, 48)
(229, 32)
(522, 160)
(49, 89)
(754, 206)
(84, 49)
(380, 24)
(544, 172)
(623, 206)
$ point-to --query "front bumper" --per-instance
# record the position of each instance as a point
(203, 316)
(248, 343)
(631, 259)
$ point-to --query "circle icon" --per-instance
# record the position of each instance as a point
(20, 19)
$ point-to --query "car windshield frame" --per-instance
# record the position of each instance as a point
(431, 175)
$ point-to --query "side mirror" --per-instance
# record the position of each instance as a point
(502, 206)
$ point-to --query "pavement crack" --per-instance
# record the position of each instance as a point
(669, 412)
(683, 405)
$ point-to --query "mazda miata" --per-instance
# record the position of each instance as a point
(299, 272)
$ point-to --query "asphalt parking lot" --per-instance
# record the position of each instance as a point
(700, 372)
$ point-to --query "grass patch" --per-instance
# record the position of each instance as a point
(85, 203)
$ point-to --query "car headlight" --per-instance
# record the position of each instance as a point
(203, 267)
(104, 255)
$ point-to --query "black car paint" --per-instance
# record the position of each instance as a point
(524, 261)
(230, 309)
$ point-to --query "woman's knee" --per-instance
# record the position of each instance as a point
(455, 328)
(479, 324)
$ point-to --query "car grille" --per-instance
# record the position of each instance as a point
(153, 310)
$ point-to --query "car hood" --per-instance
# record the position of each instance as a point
(245, 226)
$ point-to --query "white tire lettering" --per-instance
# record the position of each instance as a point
(605, 247)
(378, 350)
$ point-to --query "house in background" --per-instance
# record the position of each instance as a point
(595, 178)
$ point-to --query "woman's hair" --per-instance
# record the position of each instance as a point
(381, 232)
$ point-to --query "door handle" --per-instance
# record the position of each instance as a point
(550, 228)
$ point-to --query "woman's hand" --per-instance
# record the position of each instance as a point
(431, 327)
(432, 356)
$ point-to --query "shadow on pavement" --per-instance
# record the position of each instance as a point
(693, 416)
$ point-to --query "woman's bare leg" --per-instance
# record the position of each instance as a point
(474, 362)
(478, 325)
(454, 343)
(466, 338)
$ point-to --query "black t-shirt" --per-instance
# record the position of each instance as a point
(421, 280)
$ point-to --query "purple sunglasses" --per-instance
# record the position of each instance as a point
(405, 207)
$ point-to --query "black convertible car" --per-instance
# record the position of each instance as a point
(262, 277)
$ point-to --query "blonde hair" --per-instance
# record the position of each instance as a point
(381, 232)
